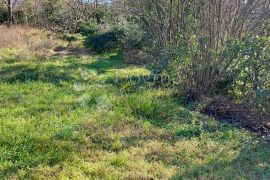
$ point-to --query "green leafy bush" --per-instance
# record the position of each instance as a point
(69, 37)
(251, 75)
(134, 36)
(3, 15)
(107, 41)
(88, 29)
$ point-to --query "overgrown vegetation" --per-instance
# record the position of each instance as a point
(107, 41)
(53, 128)
(138, 89)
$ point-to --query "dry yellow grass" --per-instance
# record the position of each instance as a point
(26, 42)
(14, 35)
(30, 38)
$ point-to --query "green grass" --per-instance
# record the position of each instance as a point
(108, 129)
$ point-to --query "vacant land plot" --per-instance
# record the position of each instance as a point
(83, 117)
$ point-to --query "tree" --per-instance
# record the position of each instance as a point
(10, 4)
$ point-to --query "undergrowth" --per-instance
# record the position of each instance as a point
(80, 117)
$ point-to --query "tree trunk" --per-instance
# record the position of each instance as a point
(96, 4)
(170, 21)
(10, 12)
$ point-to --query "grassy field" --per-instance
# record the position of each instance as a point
(79, 117)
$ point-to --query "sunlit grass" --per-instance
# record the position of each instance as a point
(111, 129)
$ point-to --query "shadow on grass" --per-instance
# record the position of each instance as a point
(251, 163)
(23, 73)
(32, 152)
(253, 160)
(54, 73)
(102, 65)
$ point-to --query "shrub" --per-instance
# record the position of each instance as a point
(250, 75)
(134, 36)
(3, 15)
(69, 37)
(108, 41)
(127, 36)
(88, 29)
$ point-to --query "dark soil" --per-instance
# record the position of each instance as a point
(239, 115)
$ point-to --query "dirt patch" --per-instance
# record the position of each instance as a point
(240, 115)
